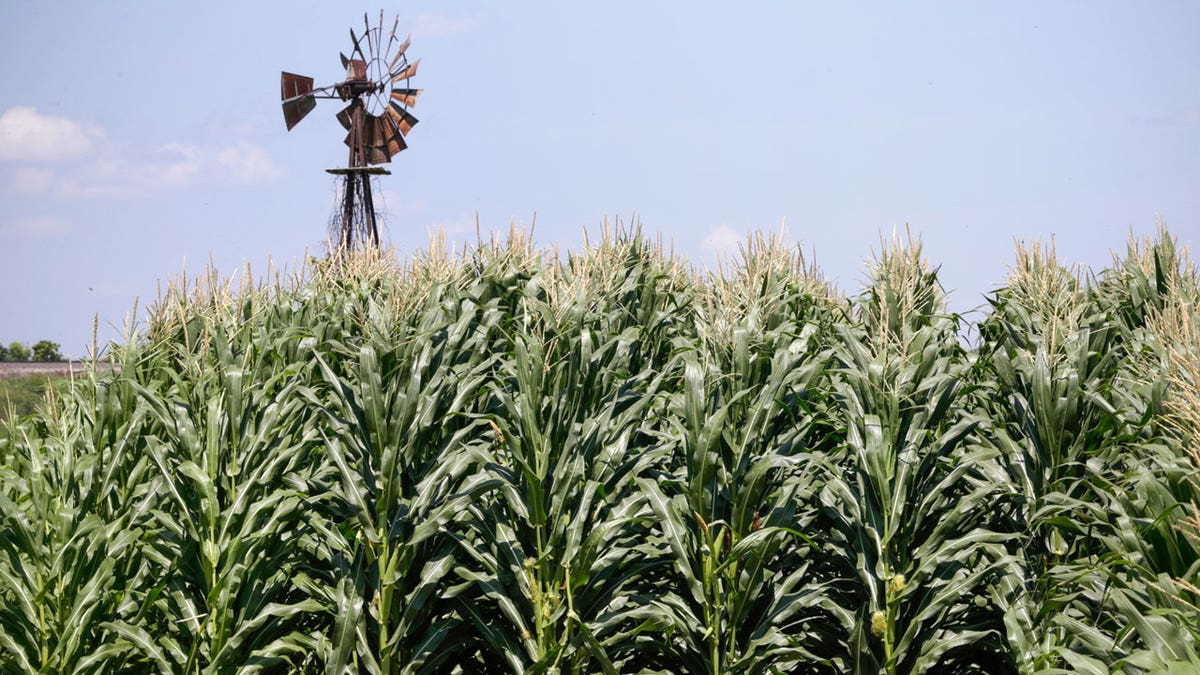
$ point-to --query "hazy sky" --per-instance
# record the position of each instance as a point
(136, 135)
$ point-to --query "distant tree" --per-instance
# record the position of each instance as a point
(3, 353)
(18, 352)
(45, 350)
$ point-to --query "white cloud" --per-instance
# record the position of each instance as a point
(104, 177)
(722, 240)
(27, 135)
(438, 25)
(35, 226)
(184, 150)
(118, 169)
(249, 163)
(74, 188)
(131, 172)
(32, 181)
(183, 166)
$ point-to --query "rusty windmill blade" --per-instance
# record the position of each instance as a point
(371, 48)
(357, 48)
(374, 36)
(396, 142)
(390, 140)
(406, 97)
(385, 53)
(375, 134)
(294, 85)
(405, 120)
(296, 91)
(375, 155)
(346, 115)
(400, 54)
(396, 145)
(379, 134)
(294, 111)
(406, 72)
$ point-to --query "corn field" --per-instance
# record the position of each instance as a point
(507, 461)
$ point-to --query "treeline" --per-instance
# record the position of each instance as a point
(42, 350)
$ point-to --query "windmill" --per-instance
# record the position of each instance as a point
(376, 117)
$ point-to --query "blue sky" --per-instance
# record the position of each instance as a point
(134, 136)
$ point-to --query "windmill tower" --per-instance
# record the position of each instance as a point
(376, 117)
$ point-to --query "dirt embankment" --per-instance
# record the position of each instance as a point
(53, 369)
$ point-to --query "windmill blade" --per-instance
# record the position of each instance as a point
(385, 52)
(406, 72)
(375, 133)
(367, 34)
(382, 154)
(357, 47)
(380, 140)
(349, 140)
(293, 85)
(396, 145)
(345, 61)
(298, 100)
(376, 155)
(294, 111)
(399, 55)
(404, 119)
(389, 123)
(407, 97)
(346, 116)
(379, 35)
(395, 140)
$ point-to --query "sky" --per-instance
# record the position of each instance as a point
(138, 139)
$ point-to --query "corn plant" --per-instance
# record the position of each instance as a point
(398, 431)
(507, 461)
(74, 507)
(734, 504)
(905, 509)
(233, 455)
(1076, 442)
(555, 548)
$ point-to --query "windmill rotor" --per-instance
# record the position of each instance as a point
(378, 94)
(377, 79)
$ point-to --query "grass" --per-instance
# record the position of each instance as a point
(22, 395)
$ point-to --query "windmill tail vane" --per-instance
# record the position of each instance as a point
(378, 96)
